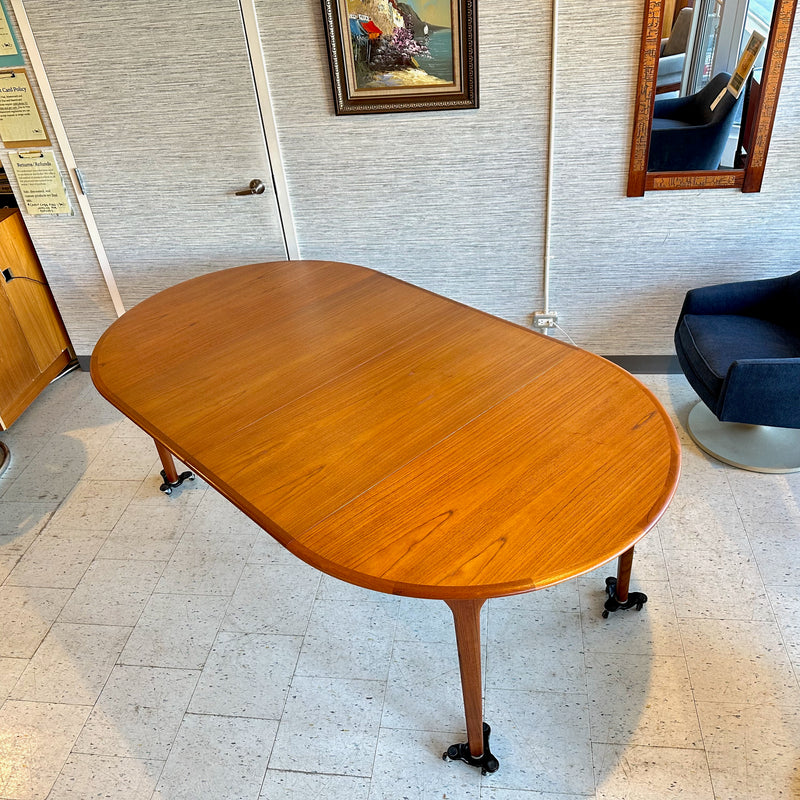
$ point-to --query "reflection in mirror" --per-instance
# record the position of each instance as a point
(709, 78)
(701, 88)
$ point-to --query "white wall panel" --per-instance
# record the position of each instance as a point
(159, 104)
(459, 199)
(65, 250)
(452, 201)
(621, 266)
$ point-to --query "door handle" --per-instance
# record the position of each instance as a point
(256, 187)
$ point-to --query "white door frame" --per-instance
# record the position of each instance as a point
(264, 100)
(49, 99)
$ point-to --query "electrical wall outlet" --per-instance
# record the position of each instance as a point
(544, 319)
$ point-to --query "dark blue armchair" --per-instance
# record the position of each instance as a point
(739, 346)
(687, 134)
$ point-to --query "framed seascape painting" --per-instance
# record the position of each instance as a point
(402, 55)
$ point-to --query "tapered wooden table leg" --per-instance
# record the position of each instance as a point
(475, 751)
(617, 588)
(170, 473)
(624, 568)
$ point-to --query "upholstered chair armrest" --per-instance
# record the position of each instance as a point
(742, 297)
(688, 137)
(677, 146)
(762, 392)
(671, 66)
(670, 107)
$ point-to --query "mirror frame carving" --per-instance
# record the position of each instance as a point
(747, 179)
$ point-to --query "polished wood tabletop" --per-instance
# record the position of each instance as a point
(391, 437)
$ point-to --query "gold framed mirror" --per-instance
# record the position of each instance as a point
(758, 103)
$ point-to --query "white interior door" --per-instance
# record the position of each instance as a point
(159, 105)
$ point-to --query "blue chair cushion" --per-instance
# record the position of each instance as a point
(711, 344)
(739, 347)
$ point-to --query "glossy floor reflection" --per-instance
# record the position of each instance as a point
(157, 647)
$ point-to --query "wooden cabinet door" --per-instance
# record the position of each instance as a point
(18, 368)
(32, 303)
(34, 346)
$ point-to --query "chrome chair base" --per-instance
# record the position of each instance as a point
(5, 457)
(758, 448)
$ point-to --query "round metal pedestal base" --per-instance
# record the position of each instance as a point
(755, 447)
(5, 457)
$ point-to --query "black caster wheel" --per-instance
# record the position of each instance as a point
(460, 752)
(167, 487)
(635, 599)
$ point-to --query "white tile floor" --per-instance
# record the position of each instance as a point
(164, 647)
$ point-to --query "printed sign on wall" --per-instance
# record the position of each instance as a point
(20, 122)
(40, 182)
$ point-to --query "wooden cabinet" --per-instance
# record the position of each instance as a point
(34, 346)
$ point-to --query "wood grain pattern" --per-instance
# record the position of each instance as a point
(467, 621)
(645, 97)
(771, 80)
(33, 303)
(17, 364)
(34, 346)
(391, 437)
(540, 488)
(696, 179)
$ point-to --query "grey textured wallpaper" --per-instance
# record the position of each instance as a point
(159, 107)
(65, 250)
(453, 201)
(463, 202)
(621, 266)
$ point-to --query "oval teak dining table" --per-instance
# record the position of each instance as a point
(396, 439)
